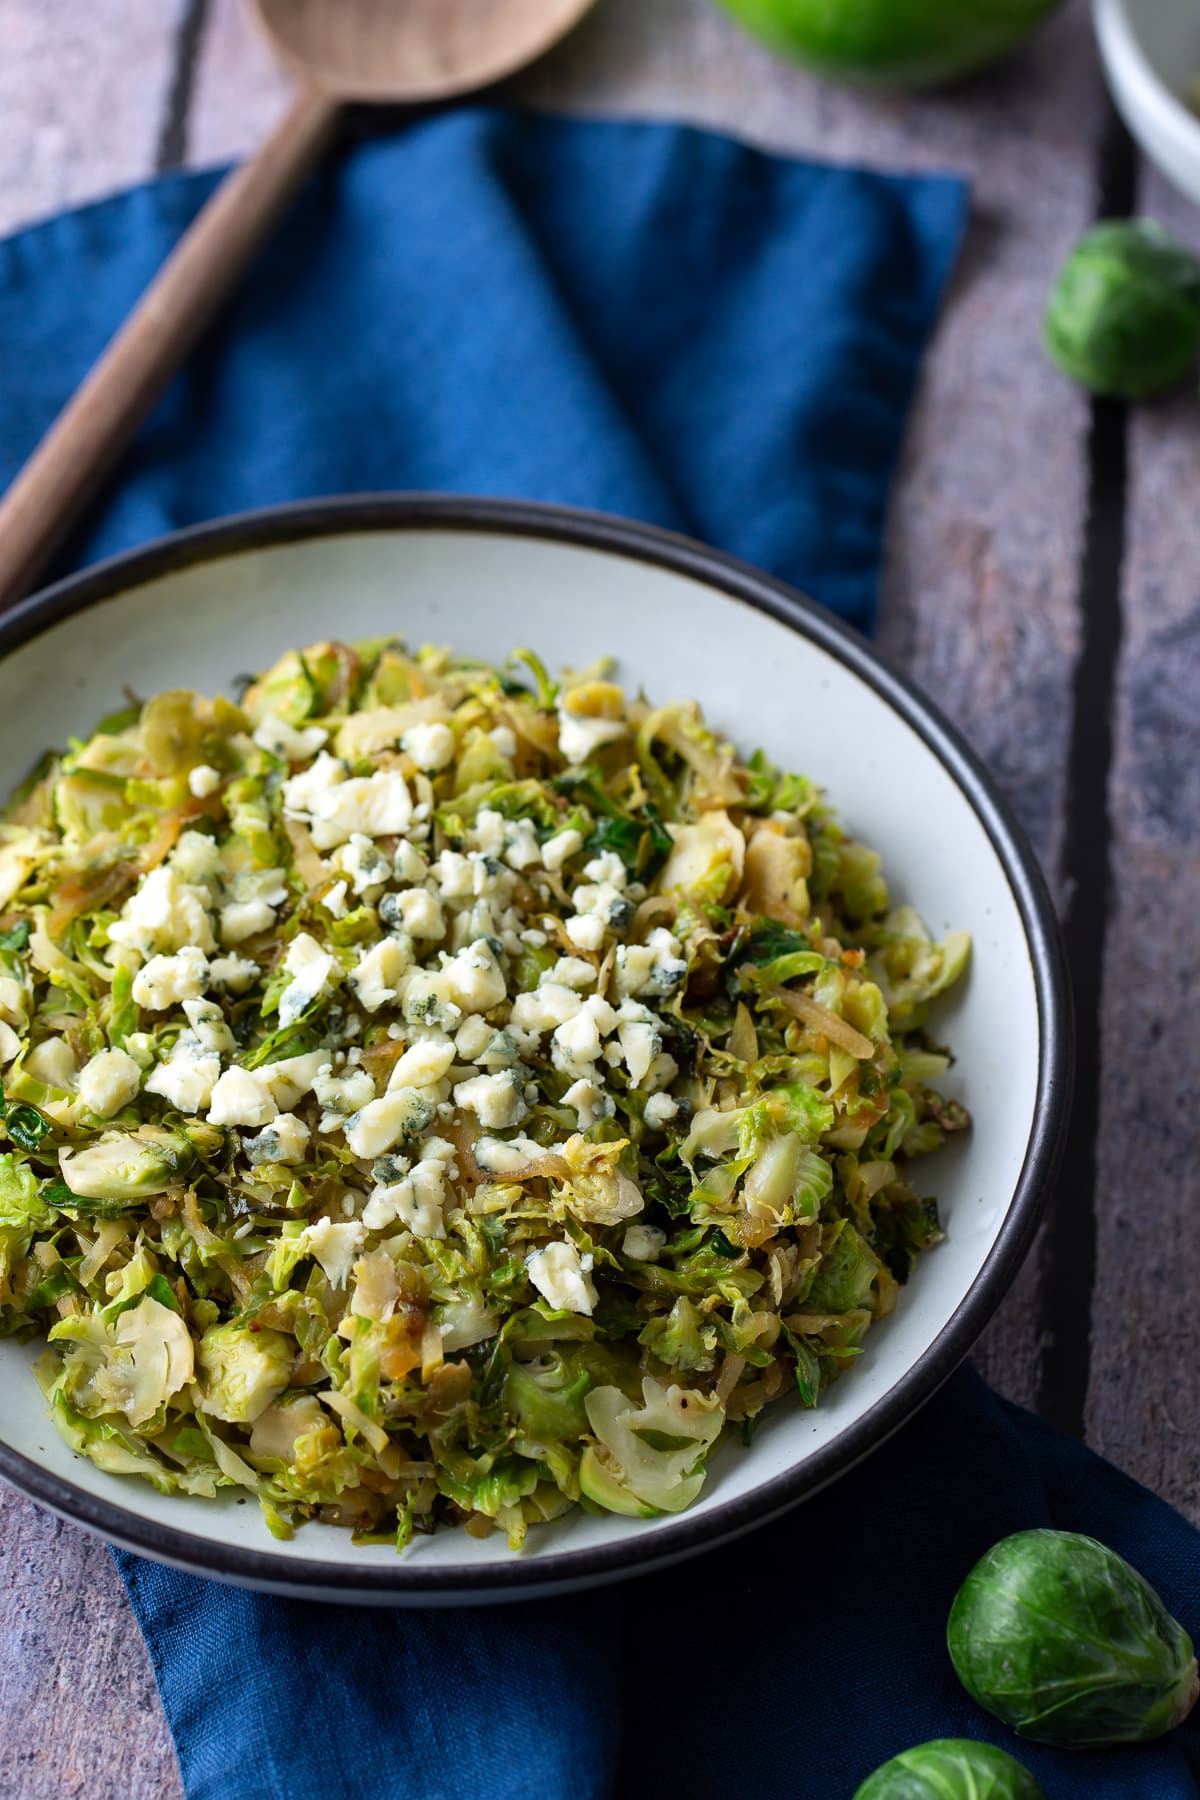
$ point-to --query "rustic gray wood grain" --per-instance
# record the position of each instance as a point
(82, 90)
(1144, 1406)
(78, 1708)
(979, 602)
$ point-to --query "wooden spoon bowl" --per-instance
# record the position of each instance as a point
(413, 50)
(385, 51)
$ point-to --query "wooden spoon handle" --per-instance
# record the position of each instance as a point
(78, 452)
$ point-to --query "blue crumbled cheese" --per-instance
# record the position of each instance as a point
(196, 859)
(109, 1081)
(285, 1140)
(242, 919)
(208, 1027)
(203, 780)
(187, 1078)
(590, 1101)
(166, 980)
(164, 914)
(474, 1036)
(496, 1100)
(424, 1063)
(335, 1246)
(291, 1077)
(363, 864)
(303, 790)
(603, 900)
(409, 866)
(656, 968)
(576, 1044)
(500, 1052)
(255, 1097)
(644, 1243)
(476, 980)
(640, 1036)
(342, 1093)
(660, 1110)
(431, 746)
(398, 1116)
(579, 737)
(334, 900)
(505, 1156)
(586, 932)
(607, 867)
(428, 999)
(453, 873)
(237, 973)
(415, 1201)
(313, 970)
(560, 848)
(563, 1277)
(415, 911)
(521, 847)
(288, 742)
(488, 831)
(377, 805)
(549, 1005)
(489, 878)
(239, 1097)
(572, 972)
(376, 977)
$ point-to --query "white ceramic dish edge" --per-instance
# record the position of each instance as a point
(488, 527)
(1150, 48)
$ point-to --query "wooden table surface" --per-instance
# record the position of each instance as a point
(1042, 580)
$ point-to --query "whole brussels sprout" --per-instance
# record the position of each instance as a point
(1124, 314)
(1057, 1636)
(900, 43)
(951, 1769)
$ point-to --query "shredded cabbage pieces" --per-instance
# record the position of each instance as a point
(434, 1094)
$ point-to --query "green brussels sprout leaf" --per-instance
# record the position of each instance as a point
(951, 1769)
(1124, 313)
(1057, 1636)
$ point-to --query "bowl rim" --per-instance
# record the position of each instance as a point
(1142, 87)
(304, 520)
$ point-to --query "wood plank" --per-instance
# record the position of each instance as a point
(82, 98)
(1144, 1408)
(979, 603)
(82, 91)
(240, 89)
(79, 1713)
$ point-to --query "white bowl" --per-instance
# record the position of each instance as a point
(1151, 52)
(771, 670)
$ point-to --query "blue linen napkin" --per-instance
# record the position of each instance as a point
(638, 318)
(659, 322)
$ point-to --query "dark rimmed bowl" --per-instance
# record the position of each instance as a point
(770, 668)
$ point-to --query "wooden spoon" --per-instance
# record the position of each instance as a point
(393, 51)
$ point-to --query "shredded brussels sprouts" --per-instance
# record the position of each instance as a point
(435, 1094)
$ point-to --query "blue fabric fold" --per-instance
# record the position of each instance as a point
(656, 321)
(790, 1663)
(643, 319)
